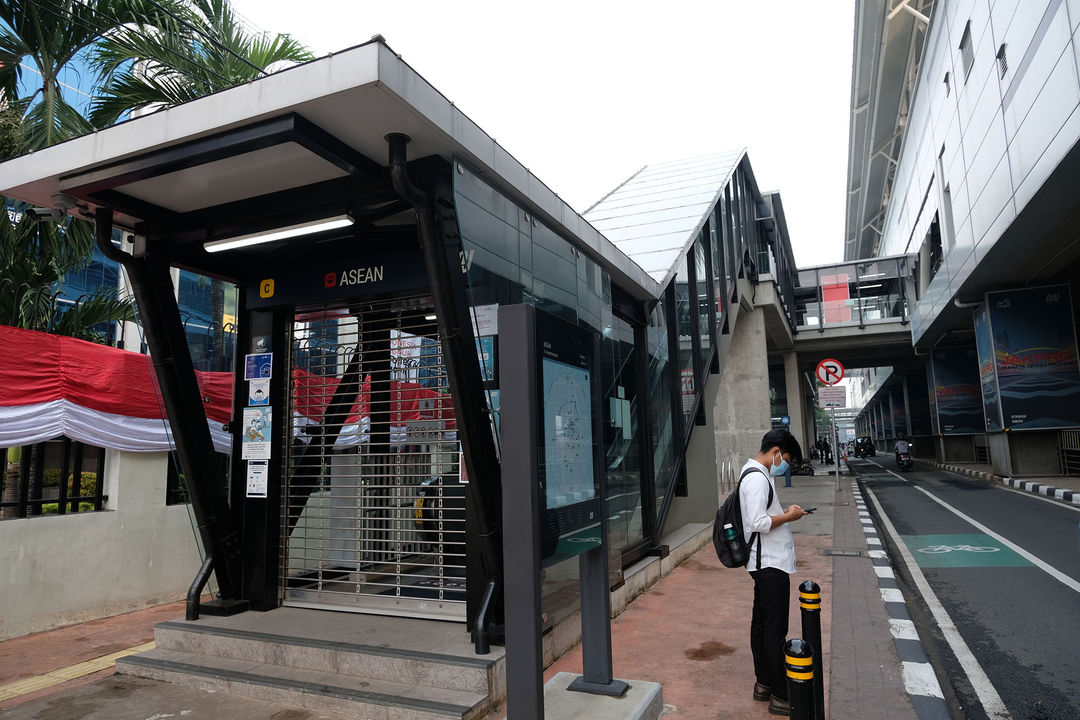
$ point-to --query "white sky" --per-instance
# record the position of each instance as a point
(585, 93)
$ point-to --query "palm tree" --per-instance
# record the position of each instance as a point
(34, 258)
(45, 37)
(180, 52)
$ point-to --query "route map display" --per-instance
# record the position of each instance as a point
(568, 436)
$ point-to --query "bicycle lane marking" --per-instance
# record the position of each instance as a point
(957, 551)
(1037, 562)
(984, 689)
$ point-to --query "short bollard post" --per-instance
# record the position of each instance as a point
(810, 602)
(799, 663)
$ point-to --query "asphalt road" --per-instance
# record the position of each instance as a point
(997, 584)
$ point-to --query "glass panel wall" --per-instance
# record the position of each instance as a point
(512, 258)
(661, 413)
(703, 301)
(686, 325)
(716, 238)
(879, 290)
(622, 433)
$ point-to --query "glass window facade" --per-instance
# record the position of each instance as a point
(654, 369)
(854, 293)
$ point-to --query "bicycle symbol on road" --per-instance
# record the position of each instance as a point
(939, 549)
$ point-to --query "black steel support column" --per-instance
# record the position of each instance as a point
(162, 326)
(441, 247)
(650, 527)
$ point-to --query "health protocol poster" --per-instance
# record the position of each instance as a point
(957, 391)
(1035, 357)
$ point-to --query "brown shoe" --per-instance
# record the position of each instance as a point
(762, 693)
(778, 706)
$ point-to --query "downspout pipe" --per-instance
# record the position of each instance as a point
(484, 495)
(187, 418)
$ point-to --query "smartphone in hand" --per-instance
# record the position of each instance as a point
(809, 509)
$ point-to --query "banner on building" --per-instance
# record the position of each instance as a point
(984, 349)
(956, 390)
(1034, 345)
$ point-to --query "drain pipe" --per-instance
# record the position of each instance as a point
(195, 591)
(441, 290)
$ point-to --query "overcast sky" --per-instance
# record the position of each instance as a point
(585, 93)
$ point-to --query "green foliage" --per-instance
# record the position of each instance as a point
(34, 257)
(167, 58)
(12, 139)
(53, 508)
(87, 481)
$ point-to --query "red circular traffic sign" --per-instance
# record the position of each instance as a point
(830, 371)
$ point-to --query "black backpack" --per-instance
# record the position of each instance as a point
(729, 552)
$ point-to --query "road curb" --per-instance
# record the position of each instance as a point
(1069, 496)
(920, 680)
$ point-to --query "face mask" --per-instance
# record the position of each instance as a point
(781, 468)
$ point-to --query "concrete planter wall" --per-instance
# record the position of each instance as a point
(57, 570)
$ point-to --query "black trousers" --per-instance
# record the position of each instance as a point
(769, 626)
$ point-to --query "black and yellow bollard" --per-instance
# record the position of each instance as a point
(810, 604)
(799, 663)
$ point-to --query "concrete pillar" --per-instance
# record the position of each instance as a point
(795, 401)
(892, 416)
(907, 408)
(741, 411)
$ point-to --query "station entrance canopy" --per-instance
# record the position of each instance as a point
(361, 156)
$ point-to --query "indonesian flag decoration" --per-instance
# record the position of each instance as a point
(53, 386)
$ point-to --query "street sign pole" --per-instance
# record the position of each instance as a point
(836, 446)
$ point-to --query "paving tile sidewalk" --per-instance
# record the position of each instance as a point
(689, 631)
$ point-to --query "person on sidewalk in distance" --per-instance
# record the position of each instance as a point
(772, 561)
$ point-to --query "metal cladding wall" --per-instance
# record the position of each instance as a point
(983, 137)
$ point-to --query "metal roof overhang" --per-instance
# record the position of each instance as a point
(297, 142)
(888, 48)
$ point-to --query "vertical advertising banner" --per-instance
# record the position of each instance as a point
(956, 390)
(1035, 357)
(984, 348)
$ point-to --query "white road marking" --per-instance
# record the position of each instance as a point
(980, 683)
(872, 541)
(1037, 562)
(1055, 503)
(891, 595)
(878, 554)
(919, 679)
(903, 629)
(883, 572)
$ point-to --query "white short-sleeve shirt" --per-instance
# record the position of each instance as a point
(777, 544)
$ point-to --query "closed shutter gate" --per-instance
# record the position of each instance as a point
(375, 518)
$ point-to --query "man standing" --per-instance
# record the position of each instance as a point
(772, 561)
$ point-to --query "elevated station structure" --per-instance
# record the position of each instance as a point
(964, 155)
(373, 231)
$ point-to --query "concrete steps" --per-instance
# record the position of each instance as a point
(308, 669)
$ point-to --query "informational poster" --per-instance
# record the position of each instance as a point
(984, 348)
(258, 365)
(1034, 342)
(255, 440)
(256, 478)
(485, 349)
(259, 392)
(956, 390)
(568, 435)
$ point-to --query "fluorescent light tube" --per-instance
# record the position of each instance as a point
(307, 228)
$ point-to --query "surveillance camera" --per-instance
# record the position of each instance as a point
(44, 214)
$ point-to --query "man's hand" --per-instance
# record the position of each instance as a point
(794, 512)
